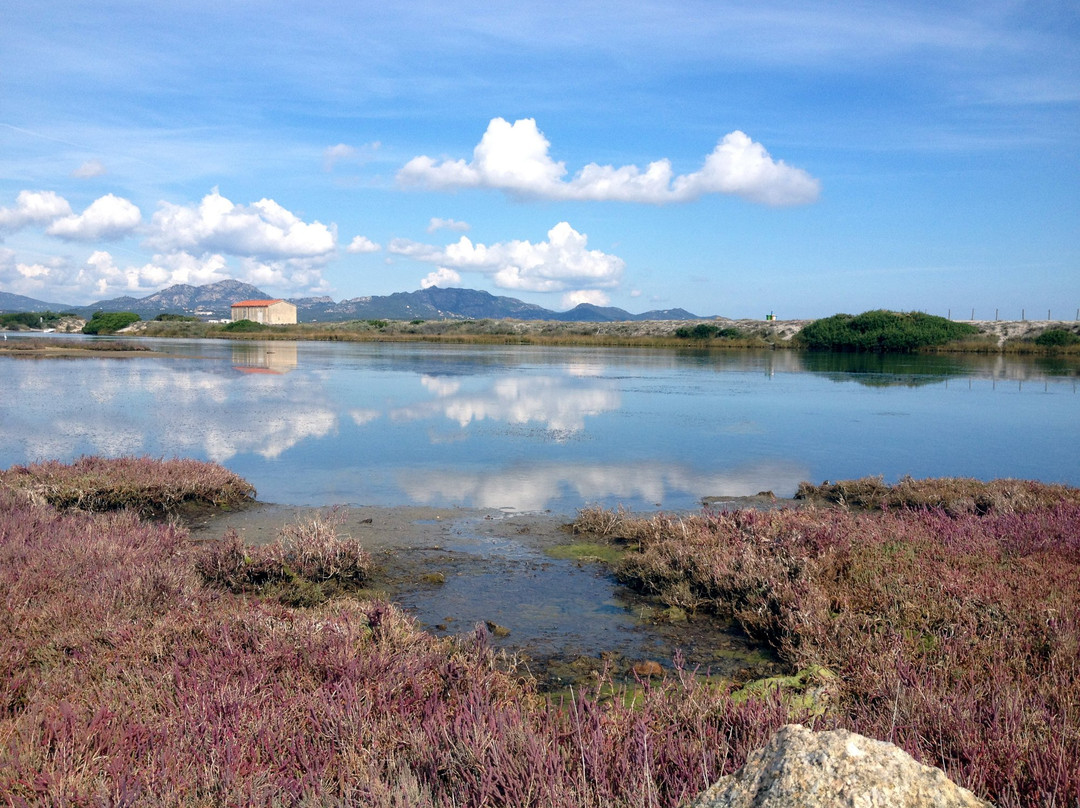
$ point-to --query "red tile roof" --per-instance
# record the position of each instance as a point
(256, 303)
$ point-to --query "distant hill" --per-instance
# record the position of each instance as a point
(10, 303)
(213, 301)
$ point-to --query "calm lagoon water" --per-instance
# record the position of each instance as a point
(534, 428)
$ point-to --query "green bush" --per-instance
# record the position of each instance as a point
(1057, 338)
(883, 331)
(176, 318)
(109, 322)
(706, 331)
(30, 319)
(243, 326)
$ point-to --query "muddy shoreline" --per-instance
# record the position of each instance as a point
(460, 570)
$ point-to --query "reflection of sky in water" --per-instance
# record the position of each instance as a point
(535, 428)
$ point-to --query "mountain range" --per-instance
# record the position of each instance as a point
(213, 301)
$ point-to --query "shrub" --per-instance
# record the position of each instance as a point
(707, 331)
(176, 318)
(307, 555)
(109, 322)
(243, 327)
(881, 330)
(1057, 338)
(29, 319)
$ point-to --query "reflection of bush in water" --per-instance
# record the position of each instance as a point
(882, 370)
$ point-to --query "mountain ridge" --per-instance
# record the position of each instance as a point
(214, 300)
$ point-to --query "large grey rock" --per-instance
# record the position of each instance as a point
(838, 769)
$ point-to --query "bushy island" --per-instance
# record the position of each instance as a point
(138, 667)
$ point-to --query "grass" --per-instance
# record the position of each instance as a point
(39, 344)
(955, 634)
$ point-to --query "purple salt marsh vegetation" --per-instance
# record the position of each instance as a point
(147, 485)
(140, 668)
(953, 634)
(128, 678)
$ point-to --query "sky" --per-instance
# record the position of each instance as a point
(729, 158)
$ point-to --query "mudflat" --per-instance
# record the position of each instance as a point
(460, 570)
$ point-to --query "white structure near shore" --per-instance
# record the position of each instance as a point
(266, 312)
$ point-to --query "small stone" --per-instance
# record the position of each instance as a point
(433, 578)
(647, 669)
(497, 630)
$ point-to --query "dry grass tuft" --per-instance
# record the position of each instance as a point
(954, 495)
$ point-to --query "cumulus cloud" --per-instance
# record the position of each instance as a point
(108, 217)
(515, 158)
(29, 279)
(34, 207)
(440, 277)
(447, 224)
(102, 276)
(593, 297)
(362, 244)
(264, 229)
(284, 274)
(560, 263)
(89, 169)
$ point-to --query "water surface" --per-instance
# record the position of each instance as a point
(535, 428)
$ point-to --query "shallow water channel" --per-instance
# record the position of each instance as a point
(459, 571)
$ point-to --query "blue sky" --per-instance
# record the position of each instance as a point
(732, 158)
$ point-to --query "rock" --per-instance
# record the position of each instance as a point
(799, 768)
(433, 578)
(497, 630)
(647, 669)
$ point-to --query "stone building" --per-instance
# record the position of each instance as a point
(267, 312)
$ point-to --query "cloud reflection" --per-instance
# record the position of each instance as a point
(536, 487)
(559, 405)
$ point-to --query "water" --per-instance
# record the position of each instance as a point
(528, 428)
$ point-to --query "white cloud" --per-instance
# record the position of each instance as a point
(514, 158)
(593, 297)
(331, 154)
(108, 217)
(292, 274)
(362, 244)
(89, 169)
(34, 207)
(560, 263)
(447, 224)
(28, 279)
(102, 277)
(440, 277)
(264, 229)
